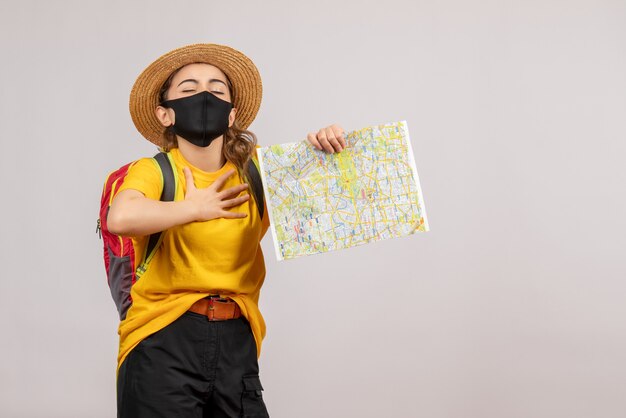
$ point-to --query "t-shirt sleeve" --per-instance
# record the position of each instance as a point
(144, 176)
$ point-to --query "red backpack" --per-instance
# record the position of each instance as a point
(119, 252)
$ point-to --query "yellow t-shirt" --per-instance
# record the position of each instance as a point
(219, 256)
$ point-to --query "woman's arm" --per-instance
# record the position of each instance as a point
(133, 214)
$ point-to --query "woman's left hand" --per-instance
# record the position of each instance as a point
(329, 139)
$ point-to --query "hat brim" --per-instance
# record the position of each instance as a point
(240, 70)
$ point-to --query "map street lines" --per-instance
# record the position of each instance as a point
(321, 202)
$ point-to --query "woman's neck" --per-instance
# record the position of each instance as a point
(207, 159)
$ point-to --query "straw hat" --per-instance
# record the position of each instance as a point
(240, 70)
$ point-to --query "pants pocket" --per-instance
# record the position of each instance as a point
(252, 404)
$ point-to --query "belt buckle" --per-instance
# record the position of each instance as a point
(210, 314)
(211, 307)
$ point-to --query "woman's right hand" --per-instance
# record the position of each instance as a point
(211, 203)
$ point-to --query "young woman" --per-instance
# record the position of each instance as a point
(190, 341)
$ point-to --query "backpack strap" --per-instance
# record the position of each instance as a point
(257, 185)
(167, 195)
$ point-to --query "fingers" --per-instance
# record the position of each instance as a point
(330, 139)
(233, 215)
(339, 134)
(236, 201)
(189, 178)
(312, 138)
(230, 203)
(327, 139)
(225, 203)
(221, 180)
(213, 203)
(232, 191)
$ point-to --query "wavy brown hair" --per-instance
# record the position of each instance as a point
(239, 144)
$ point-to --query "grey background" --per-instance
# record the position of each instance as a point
(512, 306)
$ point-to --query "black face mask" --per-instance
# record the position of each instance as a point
(200, 118)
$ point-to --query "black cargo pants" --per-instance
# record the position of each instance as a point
(193, 368)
